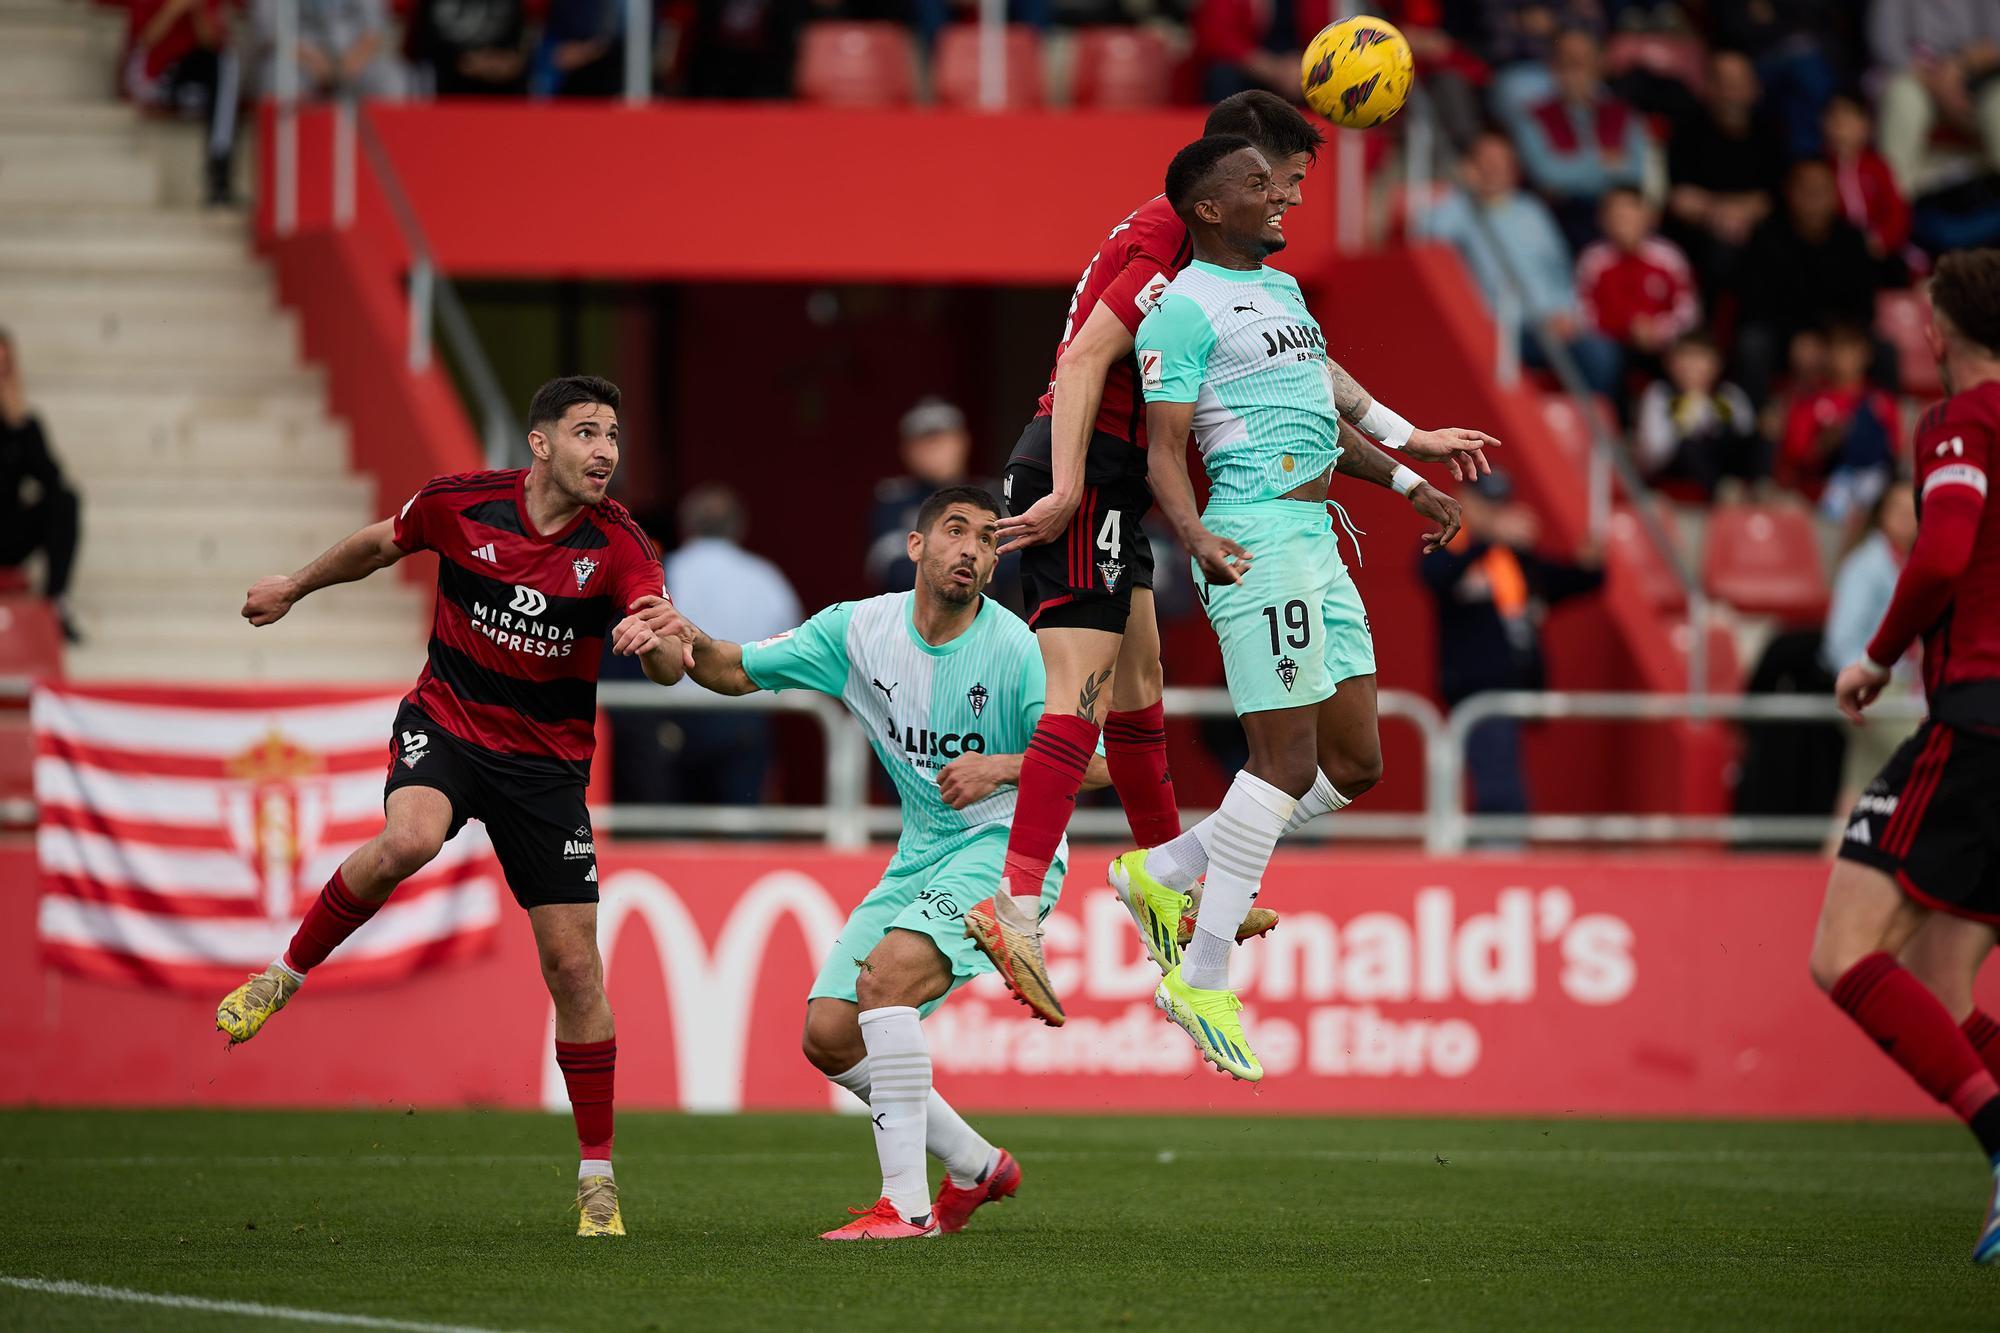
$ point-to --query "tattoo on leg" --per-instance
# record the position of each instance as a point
(1086, 699)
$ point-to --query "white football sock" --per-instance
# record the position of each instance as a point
(290, 971)
(946, 1135)
(1030, 903)
(1247, 827)
(592, 1166)
(1179, 864)
(899, 1067)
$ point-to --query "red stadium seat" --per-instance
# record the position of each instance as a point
(1723, 671)
(30, 639)
(1629, 547)
(1765, 560)
(857, 64)
(1900, 317)
(955, 67)
(1668, 55)
(1121, 68)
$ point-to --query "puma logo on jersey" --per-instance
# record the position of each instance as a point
(1251, 306)
(888, 691)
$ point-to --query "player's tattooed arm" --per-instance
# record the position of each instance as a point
(353, 557)
(974, 777)
(1362, 458)
(1349, 398)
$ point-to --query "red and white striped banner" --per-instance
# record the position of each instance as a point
(184, 831)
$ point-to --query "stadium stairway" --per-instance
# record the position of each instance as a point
(173, 386)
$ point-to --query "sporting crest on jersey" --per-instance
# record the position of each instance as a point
(1112, 570)
(1288, 671)
(976, 696)
(584, 567)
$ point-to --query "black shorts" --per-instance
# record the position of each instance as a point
(1085, 577)
(535, 817)
(1931, 821)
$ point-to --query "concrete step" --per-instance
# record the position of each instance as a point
(172, 547)
(383, 599)
(202, 305)
(67, 119)
(282, 491)
(70, 251)
(267, 339)
(268, 658)
(148, 222)
(219, 457)
(132, 380)
(165, 286)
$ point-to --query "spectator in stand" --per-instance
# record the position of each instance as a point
(744, 48)
(582, 51)
(178, 60)
(1841, 438)
(1806, 267)
(470, 48)
(1862, 587)
(936, 452)
(1636, 286)
(1243, 44)
(38, 510)
(1580, 141)
(1723, 163)
(343, 48)
(1940, 61)
(705, 758)
(1449, 71)
(1869, 197)
(1531, 245)
(1695, 426)
(1802, 50)
(1516, 39)
(1493, 589)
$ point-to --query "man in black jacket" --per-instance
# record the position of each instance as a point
(38, 517)
(1492, 589)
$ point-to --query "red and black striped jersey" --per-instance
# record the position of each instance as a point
(521, 615)
(1949, 590)
(1127, 276)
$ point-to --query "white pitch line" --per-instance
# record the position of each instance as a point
(249, 1309)
(1398, 1156)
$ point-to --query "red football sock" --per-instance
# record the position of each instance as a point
(587, 1068)
(1135, 750)
(1051, 771)
(1984, 1034)
(334, 915)
(1917, 1032)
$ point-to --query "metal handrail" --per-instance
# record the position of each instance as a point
(1452, 827)
(1608, 461)
(433, 296)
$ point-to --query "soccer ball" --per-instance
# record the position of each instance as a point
(1356, 72)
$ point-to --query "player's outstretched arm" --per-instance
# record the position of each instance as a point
(664, 642)
(1361, 458)
(1221, 560)
(1462, 451)
(974, 777)
(351, 558)
(1079, 393)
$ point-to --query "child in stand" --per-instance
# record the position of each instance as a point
(1840, 440)
(1695, 426)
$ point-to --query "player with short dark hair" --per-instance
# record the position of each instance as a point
(1077, 494)
(534, 564)
(948, 685)
(1921, 855)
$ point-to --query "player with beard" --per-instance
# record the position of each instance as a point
(948, 685)
(1078, 495)
(1919, 868)
(534, 565)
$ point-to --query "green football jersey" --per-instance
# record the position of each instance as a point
(1242, 347)
(922, 706)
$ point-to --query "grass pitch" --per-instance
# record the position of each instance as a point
(1267, 1223)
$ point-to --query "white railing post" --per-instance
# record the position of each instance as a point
(1507, 337)
(344, 112)
(423, 293)
(285, 152)
(638, 52)
(992, 54)
(1599, 496)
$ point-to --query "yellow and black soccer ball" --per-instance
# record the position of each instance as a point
(1357, 72)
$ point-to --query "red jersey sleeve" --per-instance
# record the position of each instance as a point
(1138, 287)
(410, 530)
(638, 573)
(1954, 457)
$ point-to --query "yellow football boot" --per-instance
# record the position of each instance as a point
(246, 1009)
(597, 1207)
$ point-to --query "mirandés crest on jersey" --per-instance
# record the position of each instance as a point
(1357, 72)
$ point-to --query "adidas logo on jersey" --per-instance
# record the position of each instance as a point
(485, 553)
(1858, 832)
